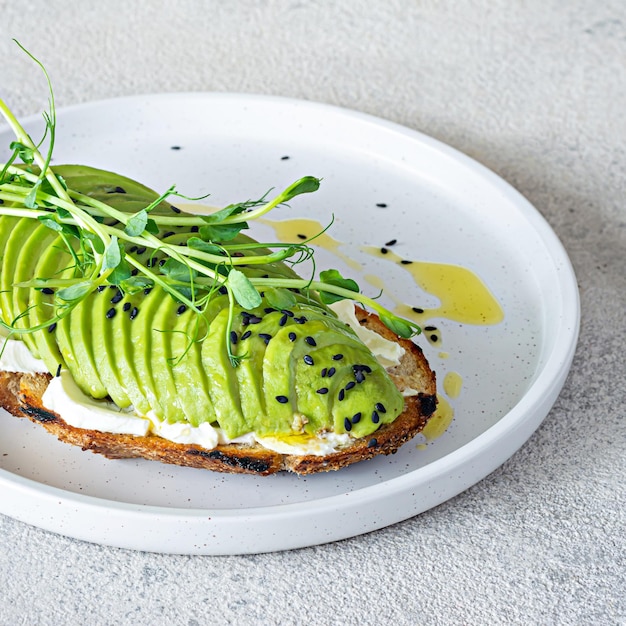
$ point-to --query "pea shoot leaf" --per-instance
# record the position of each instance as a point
(333, 277)
(308, 184)
(280, 298)
(137, 224)
(120, 273)
(244, 291)
(135, 284)
(112, 255)
(75, 292)
(178, 271)
(199, 244)
(221, 232)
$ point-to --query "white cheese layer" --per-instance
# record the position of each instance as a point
(65, 398)
(387, 353)
(16, 357)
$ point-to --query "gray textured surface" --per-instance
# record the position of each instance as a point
(535, 90)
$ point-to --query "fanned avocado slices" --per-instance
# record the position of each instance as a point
(199, 356)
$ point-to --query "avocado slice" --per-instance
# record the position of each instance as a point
(102, 343)
(184, 349)
(222, 376)
(42, 306)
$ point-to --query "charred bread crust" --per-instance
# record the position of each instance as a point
(21, 394)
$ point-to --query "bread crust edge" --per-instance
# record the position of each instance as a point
(21, 395)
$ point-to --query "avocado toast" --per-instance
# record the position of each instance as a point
(172, 336)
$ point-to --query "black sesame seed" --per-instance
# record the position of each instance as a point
(175, 148)
(301, 236)
(292, 336)
(380, 407)
(111, 313)
(331, 372)
(375, 417)
(282, 399)
(58, 371)
(430, 328)
(134, 313)
(127, 306)
(356, 418)
(381, 205)
(350, 385)
(310, 341)
(417, 309)
(392, 242)
(287, 312)
(359, 376)
(300, 320)
(195, 229)
(347, 424)
(52, 327)
(222, 290)
(384, 250)
(233, 337)
(254, 319)
(434, 338)
(176, 209)
(246, 335)
(372, 443)
(266, 338)
(308, 359)
(133, 249)
(169, 233)
(101, 288)
(269, 309)
(140, 250)
(337, 357)
(284, 158)
(162, 262)
(283, 320)
(134, 272)
(322, 390)
(117, 297)
(406, 262)
(47, 291)
(147, 291)
(112, 286)
(181, 309)
(342, 395)
(323, 373)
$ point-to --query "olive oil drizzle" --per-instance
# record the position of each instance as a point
(463, 297)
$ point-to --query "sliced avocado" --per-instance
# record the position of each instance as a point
(163, 324)
(141, 337)
(76, 343)
(20, 231)
(26, 263)
(42, 308)
(118, 339)
(185, 350)
(103, 344)
(354, 403)
(223, 382)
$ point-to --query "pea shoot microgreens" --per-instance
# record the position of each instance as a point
(196, 265)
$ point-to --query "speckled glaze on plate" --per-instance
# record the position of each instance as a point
(440, 205)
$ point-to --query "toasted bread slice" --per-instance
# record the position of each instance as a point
(21, 395)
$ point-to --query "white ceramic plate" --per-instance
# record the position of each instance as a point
(441, 206)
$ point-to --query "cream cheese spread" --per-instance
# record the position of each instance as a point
(64, 397)
(387, 353)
